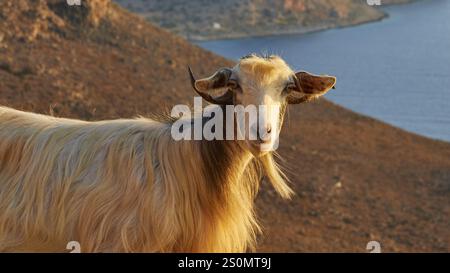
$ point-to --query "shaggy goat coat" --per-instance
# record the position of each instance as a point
(124, 186)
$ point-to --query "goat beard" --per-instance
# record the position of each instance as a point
(275, 175)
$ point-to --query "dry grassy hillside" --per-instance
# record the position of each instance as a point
(356, 179)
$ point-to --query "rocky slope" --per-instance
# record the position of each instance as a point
(203, 19)
(356, 179)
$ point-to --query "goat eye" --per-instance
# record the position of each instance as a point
(232, 84)
(289, 88)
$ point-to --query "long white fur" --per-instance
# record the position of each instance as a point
(124, 186)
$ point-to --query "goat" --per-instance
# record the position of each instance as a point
(127, 186)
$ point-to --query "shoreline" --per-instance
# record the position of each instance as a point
(301, 31)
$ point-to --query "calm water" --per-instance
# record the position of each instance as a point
(397, 70)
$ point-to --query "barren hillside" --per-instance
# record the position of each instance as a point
(356, 179)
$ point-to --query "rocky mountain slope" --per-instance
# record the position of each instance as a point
(203, 19)
(356, 179)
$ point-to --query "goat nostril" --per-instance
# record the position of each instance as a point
(269, 129)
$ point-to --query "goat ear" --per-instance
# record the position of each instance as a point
(218, 80)
(310, 86)
(314, 84)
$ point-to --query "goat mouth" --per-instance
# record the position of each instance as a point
(256, 148)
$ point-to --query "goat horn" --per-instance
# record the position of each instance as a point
(224, 99)
(191, 75)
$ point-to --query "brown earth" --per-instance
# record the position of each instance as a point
(356, 179)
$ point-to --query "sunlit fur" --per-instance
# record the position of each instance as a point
(124, 186)
(269, 70)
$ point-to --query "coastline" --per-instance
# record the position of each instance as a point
(202, 28)
(301, 30)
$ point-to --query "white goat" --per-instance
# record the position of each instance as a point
(127, 186)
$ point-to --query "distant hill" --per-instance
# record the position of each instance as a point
(356, 179)
(204, 19)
